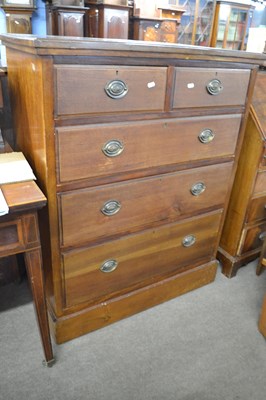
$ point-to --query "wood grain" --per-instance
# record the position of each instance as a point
(142, 259)
(62, 114)
(144, 203)
(81, 89)
(245, 217)
(190, 88)
(146, 144)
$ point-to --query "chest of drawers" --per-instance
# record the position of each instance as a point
(135, 147)
(245, 224)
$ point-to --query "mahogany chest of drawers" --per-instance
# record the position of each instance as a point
(135, 146)
(245, 224)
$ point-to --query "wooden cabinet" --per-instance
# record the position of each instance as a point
(18, 15)
(108, 20)
(245, 223)
(135, 146)
(66, 20)
(196, 23)
(6, 123)
(155, 29)
(230, 26)
(2, 74)
(157, 24)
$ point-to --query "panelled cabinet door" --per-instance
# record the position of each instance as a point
(71, 23)
(18, 15)
(66, 20)
(115, 23)
(108, 20)
(19, 22)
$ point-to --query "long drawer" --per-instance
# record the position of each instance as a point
(110, 210)
(106, 149)
(108, 89)
(102, 271)
(201, 87)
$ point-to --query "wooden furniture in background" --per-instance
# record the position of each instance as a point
(18, 15)
(230, 26)
(108, 19)
(66, 18)
(6, 126)
(262, 258)
(19, 233)
(245, 224)
(196, 22)
(10, 269)
(159, 26)
(2, 73)
(155, 29)
(262, 319)
(135, 146)
(261, 266)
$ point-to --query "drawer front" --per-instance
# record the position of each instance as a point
(115, 89)
(260, 184)
(257, 209)
(116, 209)
(133, 261)
(11, 236)
(97, 150)
(200, 87)
(253, 238)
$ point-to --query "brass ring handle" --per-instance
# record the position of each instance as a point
(113, 148)
(116, 89)
(111, 207)
(188, 240)
(109, 266)
(214, 87)
(206, 136)
(262, 236)
(197, 188)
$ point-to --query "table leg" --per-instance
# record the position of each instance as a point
(33, 260)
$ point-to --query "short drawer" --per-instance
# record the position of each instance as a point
(11, 236)
(102, 271)
(106, 149)
(260, 184)
(257, 210)
(201, 87)
(114, 89)
(253, 238)
(122, 208)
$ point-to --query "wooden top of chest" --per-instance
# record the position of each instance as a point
(63, 45)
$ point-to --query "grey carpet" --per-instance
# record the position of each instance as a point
(204, 345)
